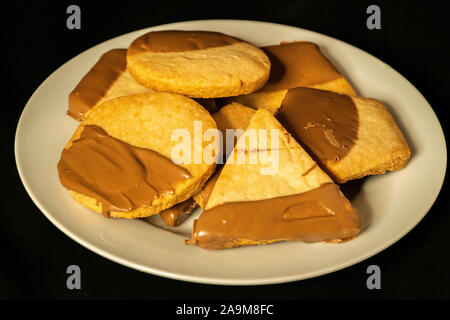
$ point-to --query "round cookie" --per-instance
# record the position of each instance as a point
(198, 64)
(129, 128)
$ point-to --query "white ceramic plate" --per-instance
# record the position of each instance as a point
(390, 205)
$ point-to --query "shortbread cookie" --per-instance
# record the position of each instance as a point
(233, 116)
(295, 64)
(119, 160)
(198, 64)
(109, 78)
(202, 197)
(298, 201)
(350, 137)
(232, 120)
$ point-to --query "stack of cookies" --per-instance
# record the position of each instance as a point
(260, 138)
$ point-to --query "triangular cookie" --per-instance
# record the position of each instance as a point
(233, 116)
(284, 195)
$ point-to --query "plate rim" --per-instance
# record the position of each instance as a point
(211, 280)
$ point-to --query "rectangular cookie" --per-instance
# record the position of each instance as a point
(350, 137)
(295, 64)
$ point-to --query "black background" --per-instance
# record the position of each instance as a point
(34, 255)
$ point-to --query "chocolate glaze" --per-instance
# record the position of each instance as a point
(94, 85)
(317, 215)
(297, 64)
(175, 215)
(179, 41)
(120, 176)
(324, 122)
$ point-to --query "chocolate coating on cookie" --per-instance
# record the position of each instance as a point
(317, 215)
(120, 176)
(172, 217)
(180, 41)
(324, 122)
(297, 64)
(97, 82)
